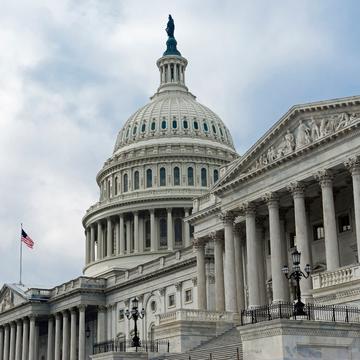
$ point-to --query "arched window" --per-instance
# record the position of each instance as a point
(216, 175)
(134, 130)
(153, 125)
(143, 127)
(116, 184)
(178, 230)
(174, 124)
(176, 176)
(203, 177)
(190, 174)
(205, 126)
(162, 176)
(127, 132)
(126, 184)
(221, 132)
(136, 180)
(163, 232)
(185, 124)
(163, 124)
(147, 234)
(108, 189)
(148, 178)
(214, 129)
(196, 125)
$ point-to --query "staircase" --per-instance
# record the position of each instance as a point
(226, 346)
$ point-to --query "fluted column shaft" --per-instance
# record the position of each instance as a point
(50, 339)
(81, 332)
(99, 241)
(12, 340)
(252, 258)
(136, 232)
(101, 331)
(153, 241)
(121, 235)
(278, 278)
(187, 229)
(229, 265)
(32, 339)
(331, 241)
(239, 270)
(7, 342)
(302, 234)
(92, 243)
(201, 274)
(87, 246)
(65, 337)
(1, 343)
(170, 233)
(18, 340)
(219, 273)
(25, 340)
(128, 237)
(109, 238)
(57, 336)
(73, 348)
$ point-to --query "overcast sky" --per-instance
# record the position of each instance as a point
(72, 72)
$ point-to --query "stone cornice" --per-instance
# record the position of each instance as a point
(211, 210)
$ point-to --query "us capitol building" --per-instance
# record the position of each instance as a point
(199, 234)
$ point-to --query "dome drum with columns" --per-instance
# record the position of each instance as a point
(168, 152)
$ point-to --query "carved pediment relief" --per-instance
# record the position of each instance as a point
(302, 128)
(7, 300)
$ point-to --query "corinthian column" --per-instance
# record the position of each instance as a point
(82, 332)
(121, 246)
(229, 263)
(201, 274)
(18, 340)
(57, 336)
(100, 247)
(7, 342)
(278, 279)
(65, 342)
(12, 340)
(87, 246)
(219, 272)
(153, 241)
(73, 327)
(32, 339)
(187, 228)
(92, 243)
(252, 256)
(25, 340)
(101, 330)
(128, 236)
(170, 230)
(50, 342)
(331, 243)
(109, 238)
(238, 246)
(302, 234)
(136, 232)
(1, 342)
(353, 166)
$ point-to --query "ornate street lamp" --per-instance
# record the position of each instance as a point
(135, 314)
(297, 274)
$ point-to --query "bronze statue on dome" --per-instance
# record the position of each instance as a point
(170, 27)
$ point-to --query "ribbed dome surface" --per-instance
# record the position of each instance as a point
(173, 114)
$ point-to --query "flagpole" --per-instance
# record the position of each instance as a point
(20, 283)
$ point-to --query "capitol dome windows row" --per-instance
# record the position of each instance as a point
(167, 176)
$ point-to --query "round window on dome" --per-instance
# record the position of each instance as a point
(205, 126)
(143, 127)
(185, 124)
(163, 125)
(153, 125)
(174, 124)
(196, 125)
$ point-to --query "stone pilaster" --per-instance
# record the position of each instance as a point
(101, 322)
(353, 165)
(219, 271)
(331, 242)
(297, 190)
(201, 274)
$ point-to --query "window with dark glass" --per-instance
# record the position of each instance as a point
(163, 232)
(206, 128)
(162, 176)
(143, 127)
(174, 124)
(216, 175)
(221, 132)
(196, 125)
(214, 129)
(116, 185)
(148, 178)
(136, 180)
(108, 189)
(171, 300)
(134, 130)
(126, 185)
(190, 176)
(121, 314)
(163, 124)
(153, 126)
(344, 223)
(203, 177)
(185, 124)
(147, 234)
(318, 231)
(176, 176)
(178, 230)
(188, 295)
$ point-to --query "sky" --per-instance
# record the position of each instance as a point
(72, 72)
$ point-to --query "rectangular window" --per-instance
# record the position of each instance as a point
(171, 300)
(121, 314)
(188, 296)
(318, 231)
(344, 223)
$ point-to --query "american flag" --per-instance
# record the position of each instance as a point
(26, 239)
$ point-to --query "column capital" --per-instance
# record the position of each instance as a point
(248, 208)
(271, 199)
(169, 209)
(82, 307)
(65, 313)
(297, 189)
(121, 215)
(216, 236)
(353, 165)
(178, 285)
(324, 177)
(58, 316)
(18, 321)
(198, 243)
(227, 217)
(13, 324)
(73, 310)
(101, 308)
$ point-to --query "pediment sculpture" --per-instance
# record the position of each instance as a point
(7, 302)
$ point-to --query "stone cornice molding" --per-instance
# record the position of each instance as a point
(324, 177)
(353, 165)
(213, 209)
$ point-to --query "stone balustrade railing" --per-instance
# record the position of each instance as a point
(195, 315)
(81, 282)
(339, 276)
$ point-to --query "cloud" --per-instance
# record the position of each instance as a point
(71, 73)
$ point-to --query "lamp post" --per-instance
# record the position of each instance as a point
(297, 274)
(135, 314)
